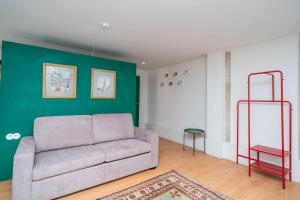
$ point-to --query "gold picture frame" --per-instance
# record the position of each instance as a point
(59, 81)
(103, 84)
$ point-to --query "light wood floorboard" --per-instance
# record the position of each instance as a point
(220, 175)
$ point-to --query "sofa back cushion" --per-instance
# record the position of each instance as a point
(62, 132)
(109, 127)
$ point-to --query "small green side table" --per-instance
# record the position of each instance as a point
(194, 132)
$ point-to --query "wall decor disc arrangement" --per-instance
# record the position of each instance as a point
(59, 81)
(176, 78)
(103, 84)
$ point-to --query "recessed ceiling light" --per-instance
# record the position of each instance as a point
(143, 63)
(106, 25)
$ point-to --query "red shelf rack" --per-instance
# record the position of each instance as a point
(270, 168)
(256, 163)
(269, 150)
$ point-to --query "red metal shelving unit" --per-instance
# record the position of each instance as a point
(256, 163)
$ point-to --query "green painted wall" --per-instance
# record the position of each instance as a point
(21, 92)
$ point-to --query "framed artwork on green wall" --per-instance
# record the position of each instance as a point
(59, 81)
(103, 84)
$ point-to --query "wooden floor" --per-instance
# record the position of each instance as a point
(221, 175)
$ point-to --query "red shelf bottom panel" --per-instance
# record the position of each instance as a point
(269, 168)
(269, 150)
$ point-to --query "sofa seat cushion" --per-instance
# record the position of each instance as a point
(56, 162)
(120, 149)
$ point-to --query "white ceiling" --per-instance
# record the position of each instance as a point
(159, 32)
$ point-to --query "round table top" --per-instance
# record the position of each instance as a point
(194, 130)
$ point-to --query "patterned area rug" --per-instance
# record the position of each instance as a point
(169, 186)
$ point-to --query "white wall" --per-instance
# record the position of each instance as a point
(174, 108)
(279, 54)
(143, 120)
(215, 103)
(171, 109)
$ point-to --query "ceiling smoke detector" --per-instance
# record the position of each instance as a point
(143, 63)
(106, 25)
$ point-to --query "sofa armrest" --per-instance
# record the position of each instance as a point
(22, 169)
(150, 137)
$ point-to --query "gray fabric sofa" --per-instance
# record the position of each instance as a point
(71, 153)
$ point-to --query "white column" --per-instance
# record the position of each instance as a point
(215, 103)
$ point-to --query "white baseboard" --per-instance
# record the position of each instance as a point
(214, 148)
(296, 170)
(229, 152)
